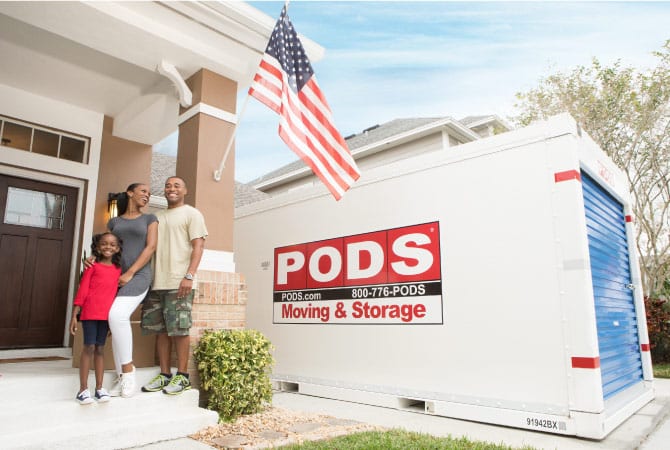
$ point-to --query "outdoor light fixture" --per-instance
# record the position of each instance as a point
(112, 204)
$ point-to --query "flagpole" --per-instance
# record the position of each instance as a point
(219, 172)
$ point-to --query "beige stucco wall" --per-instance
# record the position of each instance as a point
(202, 143)
(122, 162)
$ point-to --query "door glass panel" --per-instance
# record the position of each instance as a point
(34, 209)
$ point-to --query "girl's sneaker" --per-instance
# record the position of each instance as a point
(84, 397)
(101, 395)
(115, 390)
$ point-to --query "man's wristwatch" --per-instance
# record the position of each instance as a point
(189, 276)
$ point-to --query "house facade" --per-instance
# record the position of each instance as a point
(86, 89)
(383, 144)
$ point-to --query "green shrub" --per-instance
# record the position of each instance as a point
(234, 367)
(658, 327)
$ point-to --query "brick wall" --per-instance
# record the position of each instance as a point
(220, 303)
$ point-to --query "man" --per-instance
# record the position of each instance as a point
(167, 310)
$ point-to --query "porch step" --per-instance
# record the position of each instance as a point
(60, 352)
(39, 411)
(60, 377)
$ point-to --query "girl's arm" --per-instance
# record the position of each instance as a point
(73, 321)
(80, 297)
(144, 257)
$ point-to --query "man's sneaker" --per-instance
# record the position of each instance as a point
(84, 397)
(128, 384)
(101, 395)
(156, 384)
(178, 384)
(115, 390)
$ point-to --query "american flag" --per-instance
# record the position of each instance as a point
(285, 82)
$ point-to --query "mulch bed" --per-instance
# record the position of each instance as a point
(276, 427)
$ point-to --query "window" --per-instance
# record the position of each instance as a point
(33, 138)
(45, 143)
(16, 136)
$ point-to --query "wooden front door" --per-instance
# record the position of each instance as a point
(36, 238)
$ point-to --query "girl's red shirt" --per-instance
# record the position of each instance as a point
(97, 290)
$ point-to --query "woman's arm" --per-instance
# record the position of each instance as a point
(144, 257)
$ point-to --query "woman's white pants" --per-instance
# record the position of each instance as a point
(122, 333)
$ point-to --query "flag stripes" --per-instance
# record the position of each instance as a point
(305, 120)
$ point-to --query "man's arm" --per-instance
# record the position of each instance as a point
(198, 247)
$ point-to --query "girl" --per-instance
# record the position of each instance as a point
(92, 303)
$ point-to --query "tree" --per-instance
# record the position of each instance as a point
(627, 112)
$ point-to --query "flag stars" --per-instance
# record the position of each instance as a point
(286, 48)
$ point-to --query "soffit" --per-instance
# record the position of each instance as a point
(102, 56)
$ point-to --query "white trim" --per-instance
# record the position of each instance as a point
(170, 71)
(217, 260)
(210, 111)
(446, 143)
(157, 202)
(489, 120)
(406, 136)
(76, 251)
(63, 352)
(417, 132)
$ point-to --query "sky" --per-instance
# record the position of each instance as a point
(401, 59)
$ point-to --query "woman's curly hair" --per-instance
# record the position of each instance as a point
(116, 258)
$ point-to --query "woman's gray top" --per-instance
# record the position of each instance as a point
(133, 233)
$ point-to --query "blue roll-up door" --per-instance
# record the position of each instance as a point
(618, 343)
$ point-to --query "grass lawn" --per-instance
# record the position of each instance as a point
(662, 370)
(398, 440)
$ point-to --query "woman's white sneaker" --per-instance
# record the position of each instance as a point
(128, 384)
(115, 390)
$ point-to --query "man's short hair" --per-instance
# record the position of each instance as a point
(177, 177)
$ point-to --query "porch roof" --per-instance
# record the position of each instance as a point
(103, 56)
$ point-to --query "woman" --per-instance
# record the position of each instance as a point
(139, 233)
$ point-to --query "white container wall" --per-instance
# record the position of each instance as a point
(494, 282)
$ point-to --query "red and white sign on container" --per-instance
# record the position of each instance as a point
(383, 277)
